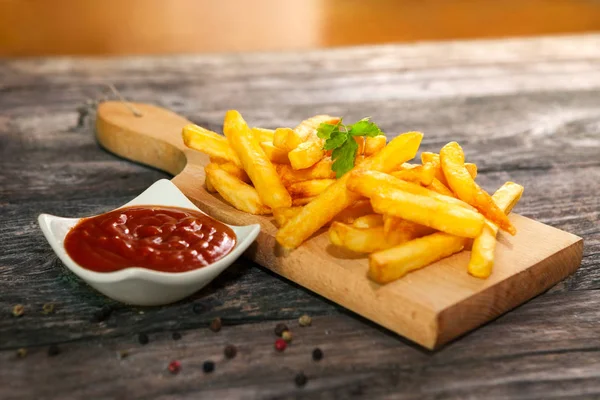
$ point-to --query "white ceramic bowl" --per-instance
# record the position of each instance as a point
(142, 286)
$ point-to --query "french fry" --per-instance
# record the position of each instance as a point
(310, 151)
(209, 186)
(391, 264)
(364, 240)
(208, 142)
(462, 184)
(234, 170)
(237, 193)
(288, 139)
(360, 141)
(258, 167)
(440, 188)
(275, 154)
(369, 183)
(434, 160)
(302, 201)
(310, 188)
(391, 223)
(484, 245)
(374, 144)
(321, 170)
(337, 197)
(263, 135)
(422, 174)
(368, 221)
(284, 214)
(354, 211)
(442, 216)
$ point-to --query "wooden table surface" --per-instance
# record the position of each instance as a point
(526, 110)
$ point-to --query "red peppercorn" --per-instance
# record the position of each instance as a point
(280, 345)
(174, 366)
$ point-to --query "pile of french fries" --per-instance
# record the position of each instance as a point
(405, 216)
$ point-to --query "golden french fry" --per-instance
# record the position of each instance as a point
(337, 197)
(263, 135)
(302, 201)
(484, 245)
(422, 174)
(368, 221)
(364, 240)
(354, 211)
(310, 151)
(287, 139)
(440, 188)
(321, 170)
(209, 186)
(275, 154)
(391, 264)
(211, 143)
(391, 223)
(258, 167)
(369, 183)
(374, 144)
(360, 141)
(434, 160)
(284, 214)
(237, 193)
(428, 211)
(234, 170)
(310, 188)
(460, 181)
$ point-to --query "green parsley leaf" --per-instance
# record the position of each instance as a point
(343, 157)
(339, 138)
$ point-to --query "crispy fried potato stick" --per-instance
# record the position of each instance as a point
(263, 135)
(434, 159)
(374, 144)
(209, 187)
(258, 167)
(302, 201)
(288, 139)
(368, 221)
(440, 188)
(337, 197)
(310, 151)
(310, 188)
(211, 143)
(452, 160)
(391, 223)
(364, 240)
(347, 216)
(237, 193)
(391, 264)
(422, 174)
(484, 245)
(275, 154)
(284, 214)
(321, 170)
(234, 170)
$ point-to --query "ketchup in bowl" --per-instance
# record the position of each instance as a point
(168, 239)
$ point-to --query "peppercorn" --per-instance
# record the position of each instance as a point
(208, 367)
(48, 308)
(102, 314)
(287, 336)
(18, 310)
(317, 354)
(280, 345)
(216, 324)
(280, 328)
(121, 354)
(300, 379)
(305, 320)
(198, 308)
(143, 338)
(22, 353)
(174, 366)
(53, 350)
(230, 351)
(176, 335)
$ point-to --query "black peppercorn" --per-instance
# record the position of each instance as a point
(300, 379)
(280, 328)
(53, 350)
(208, 367)
(176, 335)
(317, 354)
(143, 338)
(102, 314)
(216, 324)
(230, 351)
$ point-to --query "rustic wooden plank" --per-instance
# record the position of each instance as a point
(360, 358)
(526, 110)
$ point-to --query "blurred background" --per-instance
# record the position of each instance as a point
(116, 27)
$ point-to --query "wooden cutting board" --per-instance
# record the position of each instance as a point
(430, 306)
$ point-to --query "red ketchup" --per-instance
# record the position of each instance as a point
(167, 239)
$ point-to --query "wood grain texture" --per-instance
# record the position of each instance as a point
(430, 306)
(526, 110)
